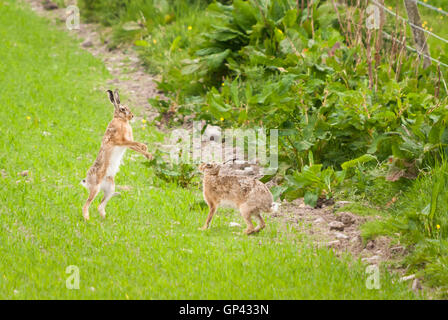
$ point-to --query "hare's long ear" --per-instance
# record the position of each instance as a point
(117, 97)
(111, 97)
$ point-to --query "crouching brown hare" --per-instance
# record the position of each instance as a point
(248, 194)
(117, 138)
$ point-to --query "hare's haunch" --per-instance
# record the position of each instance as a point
(248, 194)
(117, 138)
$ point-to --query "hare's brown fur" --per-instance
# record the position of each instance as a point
(248, 194)
(117, 138)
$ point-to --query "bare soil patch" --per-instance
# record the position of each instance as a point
(338, 230)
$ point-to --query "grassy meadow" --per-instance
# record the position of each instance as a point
(53, 112)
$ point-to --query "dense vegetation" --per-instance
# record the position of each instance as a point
(359, 116)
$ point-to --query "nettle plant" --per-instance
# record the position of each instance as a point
(183, 174)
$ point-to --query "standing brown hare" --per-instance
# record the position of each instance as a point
(248, 194)
(117, 138)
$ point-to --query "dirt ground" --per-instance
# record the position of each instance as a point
(337, 230)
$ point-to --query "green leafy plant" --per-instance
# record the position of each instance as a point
(183, 174)
(312, 182)
(266, 65)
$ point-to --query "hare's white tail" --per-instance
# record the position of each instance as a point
(84, 183)
(275, 206)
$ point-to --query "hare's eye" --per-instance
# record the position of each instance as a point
(122, 109)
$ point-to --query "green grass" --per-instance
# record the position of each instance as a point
(149, 246)
(410, 221)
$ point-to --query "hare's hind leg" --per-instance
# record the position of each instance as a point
(261, 223)
(108, 186)
(93, 191)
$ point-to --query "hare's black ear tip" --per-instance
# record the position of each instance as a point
(111, 96)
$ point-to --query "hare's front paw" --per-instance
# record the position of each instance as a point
(148, 156)
(144, 147)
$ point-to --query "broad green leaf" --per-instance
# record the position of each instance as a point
(141, 43)
(244, 14)
(131, 26)
(175, 44)
(360, 160)
(311, 198)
